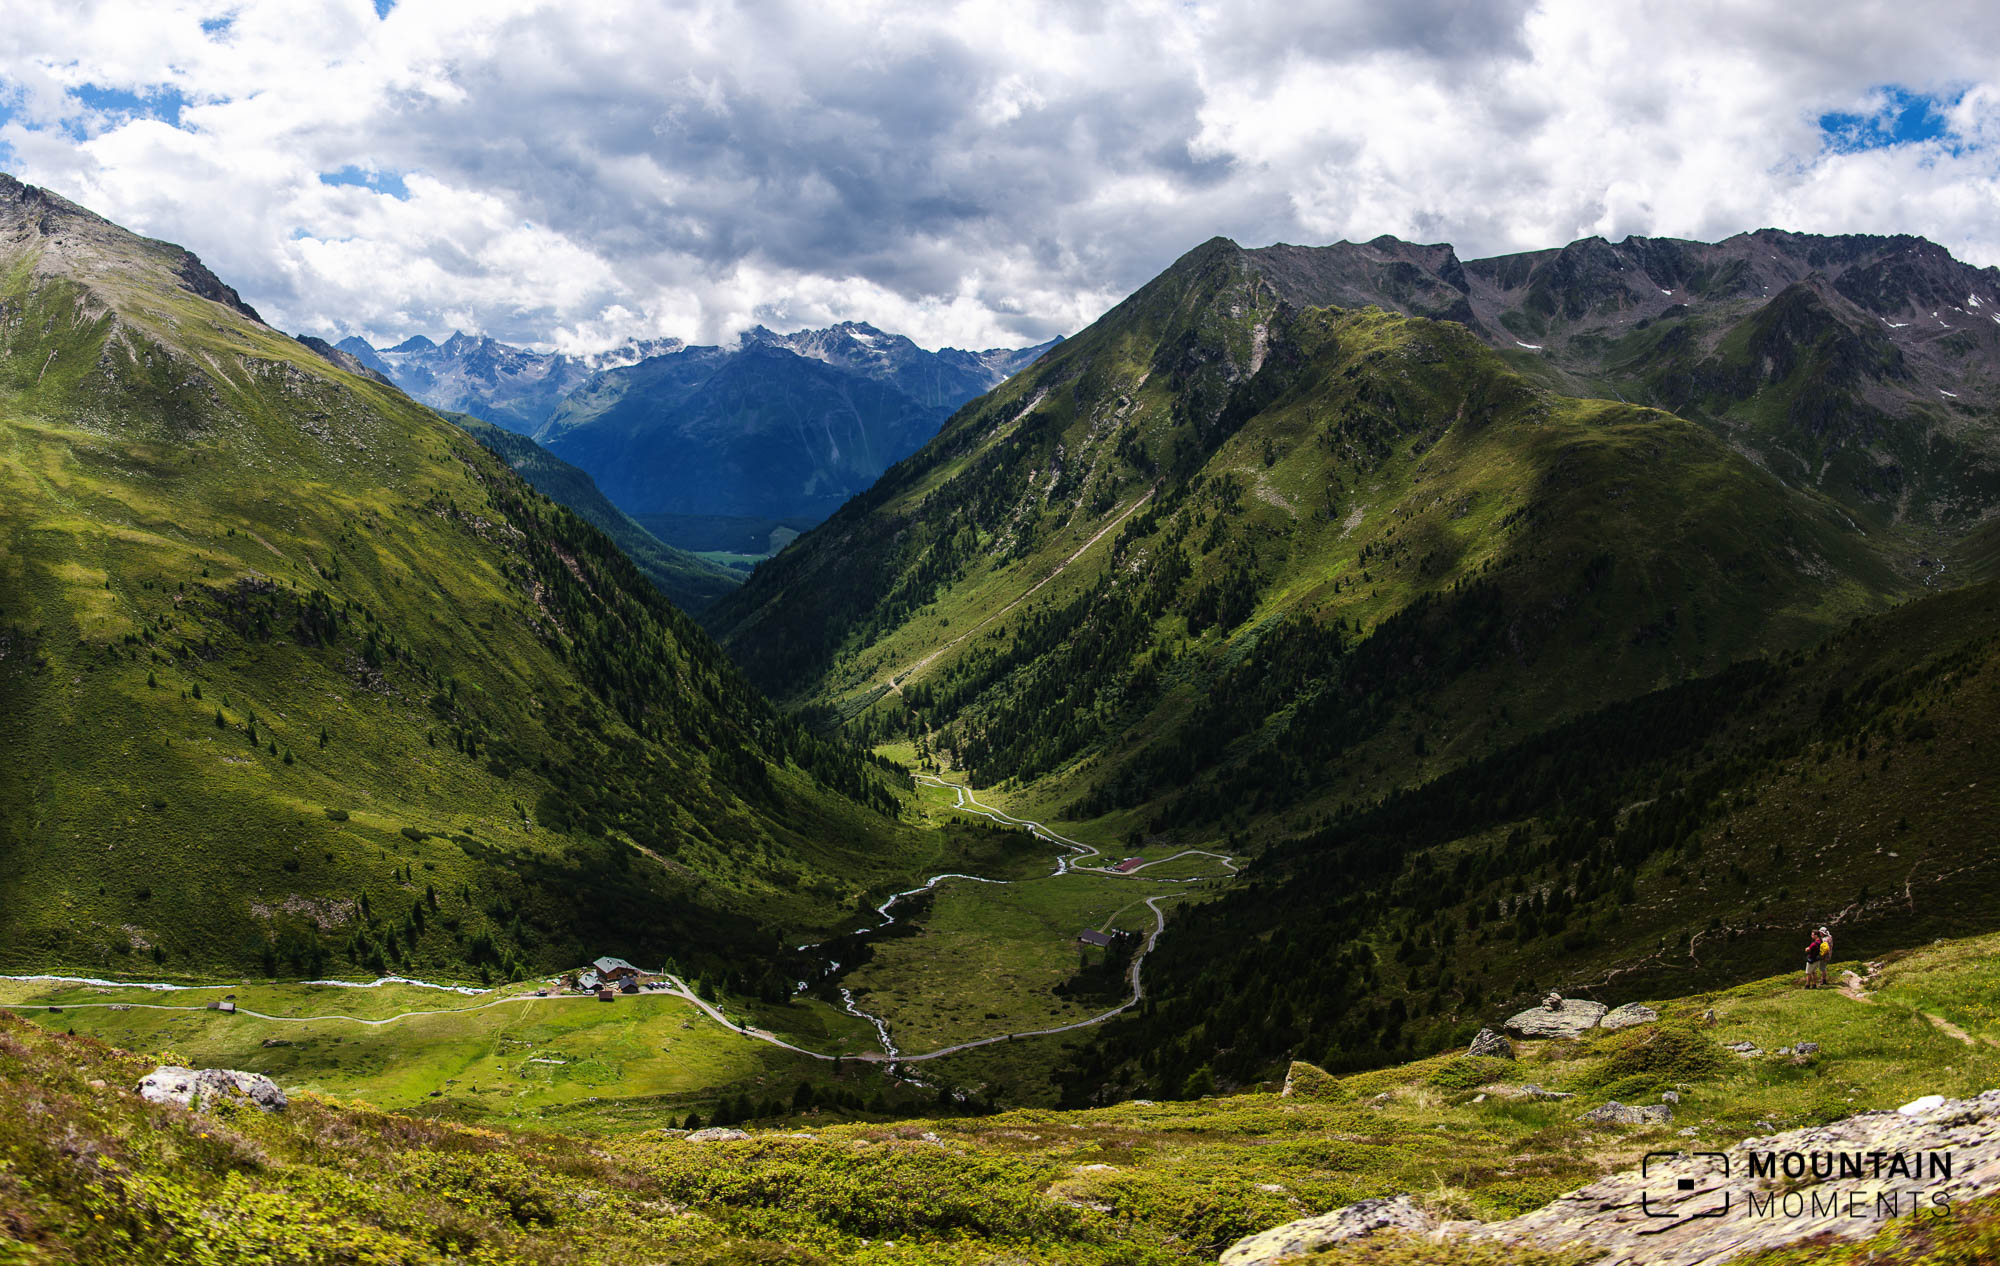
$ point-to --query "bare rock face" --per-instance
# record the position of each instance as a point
(1569, 1017)
(1491, 1045)
(199, 1090)
(1309, 1235)
(717, 1134)
(1625, 1017)
(1840, 1181)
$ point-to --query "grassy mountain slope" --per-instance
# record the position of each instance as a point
(1347, 549)
(88, 1172)
(296, 675)
(689, 581)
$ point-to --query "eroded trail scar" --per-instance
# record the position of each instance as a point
(897, 679)
(1850, 987)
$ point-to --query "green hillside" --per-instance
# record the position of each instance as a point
(1691, 837)
(1342, 548)
(689, 581)
(295, 676)
(91, 1173)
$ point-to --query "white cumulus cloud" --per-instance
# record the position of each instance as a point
(982, 173)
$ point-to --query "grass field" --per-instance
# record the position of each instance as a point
(989, 955)
(505, 1056)
(984, 962)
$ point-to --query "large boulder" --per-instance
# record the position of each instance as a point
(1569, 1017)
(1309, 1235)
(201, 1089)
(1625, 1017)
(1491, 1045)
(1307, 1081)
(1616, 1113)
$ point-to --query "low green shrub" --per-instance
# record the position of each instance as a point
(1659, 1055)
(1469, 1072)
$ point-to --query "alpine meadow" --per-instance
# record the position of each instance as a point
(730, 634)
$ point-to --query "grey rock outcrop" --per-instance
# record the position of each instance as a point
(1649, 1216)
(1309, 1235)
(201, 1089)
(717, 1134)
(1625, 1017)
(1532, 1091)
(1616, 1113)
(1569, 1017)
(1491, 1045)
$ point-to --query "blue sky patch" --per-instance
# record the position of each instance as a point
(388, 182)
(158, 102)
(382, 7)
(1904, 118)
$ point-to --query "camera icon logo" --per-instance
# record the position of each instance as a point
(1671, 1202)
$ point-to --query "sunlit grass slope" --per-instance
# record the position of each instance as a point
(297, 677)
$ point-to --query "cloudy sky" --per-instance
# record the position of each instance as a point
(974, 174)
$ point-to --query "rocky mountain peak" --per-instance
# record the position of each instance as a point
(85, 247)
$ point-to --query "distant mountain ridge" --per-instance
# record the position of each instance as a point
(1851, 364)
(513, 387)
(781, 426)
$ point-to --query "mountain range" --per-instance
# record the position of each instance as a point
(1558, 638)
(1854, 365)
(777, 426)
(1519, 590)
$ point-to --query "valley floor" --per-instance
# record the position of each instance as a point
(985, 967)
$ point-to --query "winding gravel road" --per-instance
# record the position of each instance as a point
(678, 988)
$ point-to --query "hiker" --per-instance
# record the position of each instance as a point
(1818, 950)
